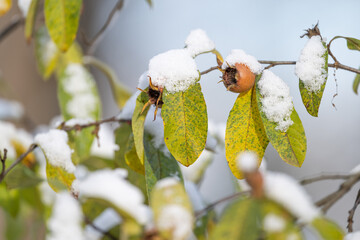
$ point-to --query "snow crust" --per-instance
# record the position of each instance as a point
(66, 219)
(198, 42)
(247, 161)
(355, 170)
(353, 236)
(276, 100)
(108, 219)
(176, 219)
(75, 121)
(273, 223)
(310, 67)
(166, 182)
(54, 144)
(174, 70)
(239, 56)
(24, 6)
(78, 83)
(286, 191)
(111, 186)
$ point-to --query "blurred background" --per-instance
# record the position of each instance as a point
(268, 30)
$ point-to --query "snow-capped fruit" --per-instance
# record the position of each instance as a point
(239, 79)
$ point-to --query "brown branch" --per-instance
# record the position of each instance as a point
(276, 63)
(324, 177)
(17, 161)
(327, 202)
(3, 159)
(350, 219)
(209, 70)
(93, 42)
(16, 21)
(104, 233)
(212, 205)
(79, 127)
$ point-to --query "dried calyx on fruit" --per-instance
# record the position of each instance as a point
(310, 32)
(239, 71)
(155, 97)
(238, 79)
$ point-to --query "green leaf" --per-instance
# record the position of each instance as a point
(21, 177)
(30, 19)
(311, 100)
(353, 43)
(9, 200)
(81, 104)
(62, 20)
(239, 221)
(327, 229)
(131, 157)
(291, 145)
(356, 83)
(46, 53)
(149, 2)
(120, 92)
(137, 124)
(58, 178)
(122, 135)
(158, 165)
(244, 131)
(185, 123)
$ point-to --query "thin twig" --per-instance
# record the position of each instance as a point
(212, 205)
(16, 21)
(324, 177)
(79, 127)
(18, 160)
(104, 233)
(3, 159)
(350, 219)
(93, 42)
(209, 70)
(327, 202)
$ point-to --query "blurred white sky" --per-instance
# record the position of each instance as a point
(269, 30)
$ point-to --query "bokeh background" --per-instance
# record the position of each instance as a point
(268, 30)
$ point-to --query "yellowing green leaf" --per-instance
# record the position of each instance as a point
(185, 123)
(327, 229)
(62, 20)
(291, 145)
(137, 124)
(353, 43)
(131, 157)
(244, 131)
(120, 91)
(311, 100)
(356, 83)
(47, 54)
(239, 221)
(158, 164)
(5, 6)
(58, 178)
(9, 200)
(21, 177)
(30, 19)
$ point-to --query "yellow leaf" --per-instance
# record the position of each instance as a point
(5, 6)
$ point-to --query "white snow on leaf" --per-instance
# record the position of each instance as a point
(66, 219)
(79, 84)
(198, 42)
(273, 223)
(24, 6)
(286, 191)
(353, 236)
(239, 56)
(174, 70)
(355, 170)
(107, 146)
(10, 135)
(56, 149)
(177, 220)
(276, 100)
(166, 182)
(111, 186)
(75, 121)
(310, 68)
(247, 161)
(195, 171)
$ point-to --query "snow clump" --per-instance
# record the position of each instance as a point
(198, 42)
(239, 56)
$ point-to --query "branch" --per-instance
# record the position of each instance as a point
(328, 201)
(104, 233)
(350, 219)
(16, 21)
(79, 127)
(93, 42)
(212, 205)
(3, 159)
(209, 70)
(18, 160)
(324, 177)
